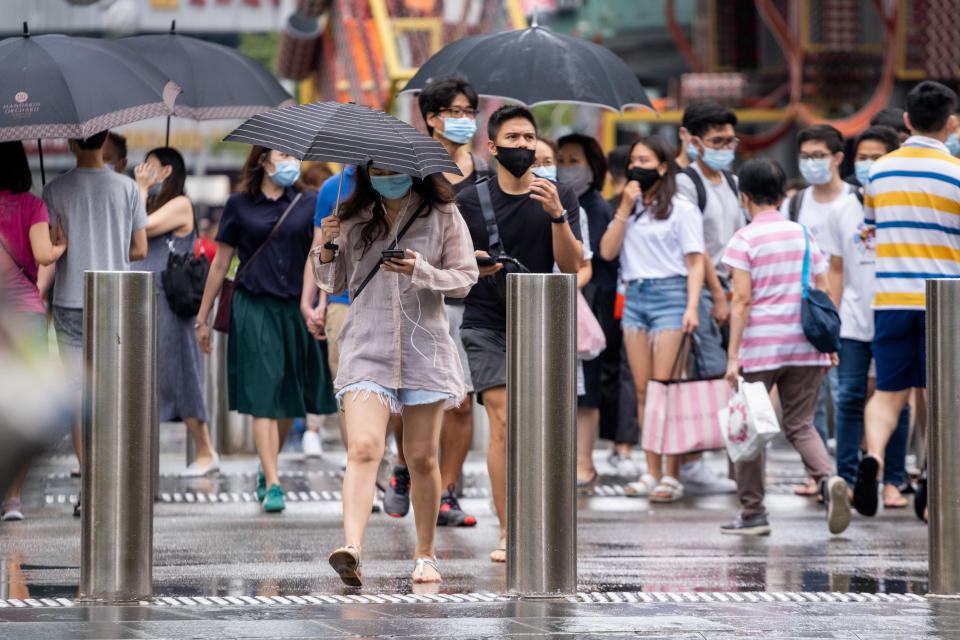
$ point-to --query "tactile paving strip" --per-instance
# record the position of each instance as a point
(618, 597)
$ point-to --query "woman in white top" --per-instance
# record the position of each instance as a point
(658, 235)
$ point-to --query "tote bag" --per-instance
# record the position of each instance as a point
(680, 416)
(748, 421)
(590, 338)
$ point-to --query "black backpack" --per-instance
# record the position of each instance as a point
(694, 176)
(184, 278)
(796, 200)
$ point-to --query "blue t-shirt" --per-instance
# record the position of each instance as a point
(327, 200)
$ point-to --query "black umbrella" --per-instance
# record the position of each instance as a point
(347, 133)
(536, 66)
(217, 81)
(55, 86)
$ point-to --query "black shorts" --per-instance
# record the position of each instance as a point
(487, 354)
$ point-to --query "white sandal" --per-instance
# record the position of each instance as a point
(642, 488)
(418, 570)
(670, 485)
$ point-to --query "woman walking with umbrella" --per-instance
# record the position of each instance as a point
(397, 356)
(276, 371)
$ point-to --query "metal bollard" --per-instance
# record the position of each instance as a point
(943, 439)
(541, 434)
(120, 433)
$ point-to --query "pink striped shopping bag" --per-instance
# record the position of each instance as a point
(681, 416)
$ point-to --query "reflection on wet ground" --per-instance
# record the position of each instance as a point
(213, 541)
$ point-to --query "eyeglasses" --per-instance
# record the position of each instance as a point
(458, 112)
(815, 156)
(721, 143)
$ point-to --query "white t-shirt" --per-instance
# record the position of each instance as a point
(814, 215)
(721, 216)
(848, 237)
(656, 248)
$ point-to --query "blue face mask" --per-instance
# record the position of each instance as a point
(286, 173)
(692, 152)
(862, 171)
(816, 171)
(953, 144)
(392, 187)
(155, 189)
(547, 173)
(459, 130)
(718, 159)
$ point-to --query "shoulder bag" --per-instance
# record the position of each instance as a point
(222, 320)
(17, 264)
(821, 322)
(185, 276)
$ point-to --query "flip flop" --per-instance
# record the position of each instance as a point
(421, 563)
(492, 559)
(346, 562)
(806, 490)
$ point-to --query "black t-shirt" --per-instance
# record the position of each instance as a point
(599, 216)
(527, 235)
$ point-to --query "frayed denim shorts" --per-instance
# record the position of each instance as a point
(396, 399)
(655, 304)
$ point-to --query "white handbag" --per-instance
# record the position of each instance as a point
(748, 422)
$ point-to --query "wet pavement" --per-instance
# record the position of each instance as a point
(224, 568)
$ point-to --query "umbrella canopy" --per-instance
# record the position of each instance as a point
(348, 133)
(536, 66)
(55, 86)
(217, 81)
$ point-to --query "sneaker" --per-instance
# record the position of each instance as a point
(755, 526)
(451, 515)
(834, 491)
(261, 484)
(273, 502)
(866, 491)
(698, 480)
(920, 498)
(623, 466)
(11, 509)
(198, 471)
(396, 499)
(312, 447)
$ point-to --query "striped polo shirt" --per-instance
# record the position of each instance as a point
(913, 198)
(771, 250)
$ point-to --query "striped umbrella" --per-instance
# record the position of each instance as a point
(347, 133)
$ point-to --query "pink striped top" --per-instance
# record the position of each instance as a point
(771, 250)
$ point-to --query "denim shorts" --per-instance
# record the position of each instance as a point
(655, 304)
(396, 399)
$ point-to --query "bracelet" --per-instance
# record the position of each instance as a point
(197, 325)
(622, 219)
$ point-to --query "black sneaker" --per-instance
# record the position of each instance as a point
(920, 497)
(755, 526)
(834, 492)
(396, 499)
(451, 515)
(865, 491)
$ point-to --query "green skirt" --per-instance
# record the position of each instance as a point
(275, 368)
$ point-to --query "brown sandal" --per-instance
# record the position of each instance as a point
(346, 562)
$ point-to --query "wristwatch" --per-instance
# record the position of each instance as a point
(561, 219)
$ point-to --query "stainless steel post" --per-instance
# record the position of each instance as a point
(943, 438)
(120, 432)
(541, 434)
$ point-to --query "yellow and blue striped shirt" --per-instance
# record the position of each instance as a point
(913, 198)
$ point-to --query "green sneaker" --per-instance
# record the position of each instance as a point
(261, 484)
(274, 501)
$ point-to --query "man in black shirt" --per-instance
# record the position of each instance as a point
(539, 225)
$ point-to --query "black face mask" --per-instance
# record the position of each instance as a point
(516, 160)
(645, 177)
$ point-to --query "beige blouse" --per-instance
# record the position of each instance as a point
(396, 333)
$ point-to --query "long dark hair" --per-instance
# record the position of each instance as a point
(14, 169)
(173, 186)
(432, 189)
(663, 191)
(251, 176)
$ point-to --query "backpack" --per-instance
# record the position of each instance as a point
(694, 176)
(796, 200)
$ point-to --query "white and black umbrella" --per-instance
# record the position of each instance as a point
(347, 133)
(217, 81)
(56, 86)
(537, 66)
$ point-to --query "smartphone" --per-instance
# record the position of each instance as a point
(391, 254)
(486, 261)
